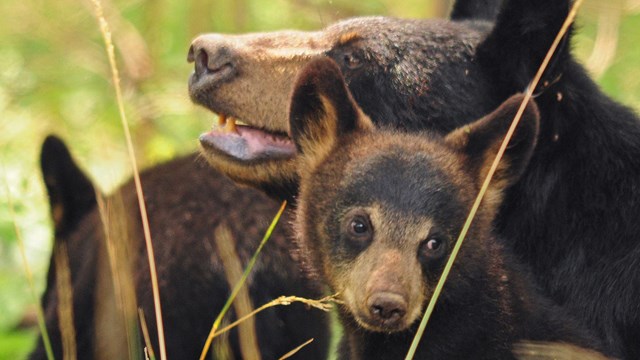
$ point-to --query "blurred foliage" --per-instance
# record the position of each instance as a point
(54, 78)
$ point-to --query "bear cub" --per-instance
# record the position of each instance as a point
(379, 212)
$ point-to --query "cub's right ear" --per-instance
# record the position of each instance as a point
(481, 140)
(71, 194)
(322, 109)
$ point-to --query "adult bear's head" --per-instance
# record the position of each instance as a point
(406, 74)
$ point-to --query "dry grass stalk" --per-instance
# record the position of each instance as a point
(221, 349)
(64, 289)
(243, 304)
(294, 351)
(632, 6)
(106, 34)
(606, 43)
(148, 350)
(117, 311)
(27, 270)
(527, 96)
(236, 289)
(324, 304)
(530, 350)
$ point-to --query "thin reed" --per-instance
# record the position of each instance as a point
(295, 351)
(243, 305)
(27, 270)
(485, 185)
(115, 283)
(324, 304)
(65, 302)
(148, 350)
(106, 34)
(237, 287)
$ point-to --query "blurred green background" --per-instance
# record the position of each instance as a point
(54, 78)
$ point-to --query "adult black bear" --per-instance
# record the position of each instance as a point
(184, 216)
(572, 216)
(379, 212)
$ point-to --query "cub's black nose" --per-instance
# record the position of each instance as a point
(387, 308)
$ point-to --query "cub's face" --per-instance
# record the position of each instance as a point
(381, 216)
(378, 209)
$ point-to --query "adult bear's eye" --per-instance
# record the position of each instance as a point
(351, 61)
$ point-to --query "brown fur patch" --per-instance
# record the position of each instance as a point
(57, 213)
(321, 135)
(260, 175)
(348, 37)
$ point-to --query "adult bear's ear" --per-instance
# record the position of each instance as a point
(323, 110)
(481, 140)
(475, 10)
(517, 44)
(71, 194)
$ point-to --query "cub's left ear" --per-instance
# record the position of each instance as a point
(481, 140)
(322, 109)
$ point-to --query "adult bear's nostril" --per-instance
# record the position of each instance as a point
(213, 60)
(201, 63)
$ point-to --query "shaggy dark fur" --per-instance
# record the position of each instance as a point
(379, 213)
(572, 217)
(183, 216)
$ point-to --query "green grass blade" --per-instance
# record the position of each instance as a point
(239, 285)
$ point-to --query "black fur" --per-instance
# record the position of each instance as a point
(480, 9)
(183, 216)
(572, 216)
(489, 302)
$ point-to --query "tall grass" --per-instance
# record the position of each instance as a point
(106, 34)
(232, 265)
(117, 312)
(64, 289)
(27, 270)
(52, 76)
(238, 286)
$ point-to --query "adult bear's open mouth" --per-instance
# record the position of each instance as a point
(246, 81)
(246, 143)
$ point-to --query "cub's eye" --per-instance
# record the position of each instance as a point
(433, 244)
(357, 229)
(351, 61)
(359, 226)
(433, 247)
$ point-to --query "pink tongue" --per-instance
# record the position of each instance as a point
(249, 144)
